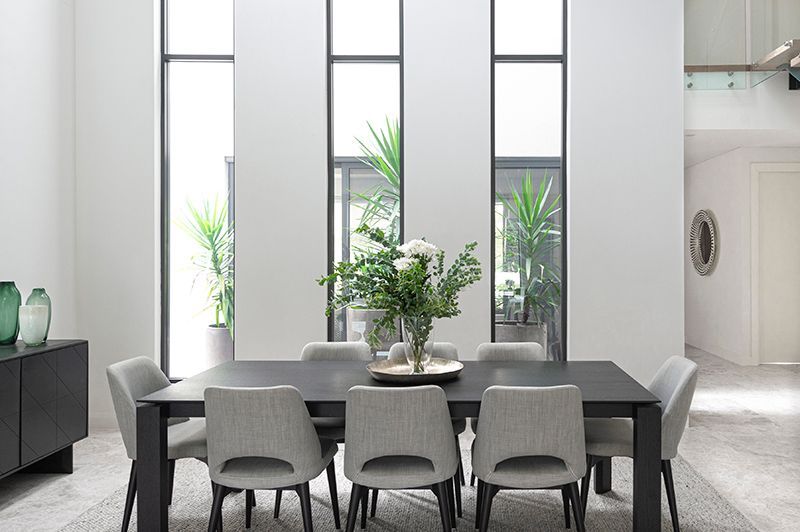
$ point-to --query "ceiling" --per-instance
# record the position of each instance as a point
(703, 144)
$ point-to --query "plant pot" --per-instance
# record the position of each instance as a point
(521, 332)
(219, 345)
(360, 322)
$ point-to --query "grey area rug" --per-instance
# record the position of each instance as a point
(701, 507)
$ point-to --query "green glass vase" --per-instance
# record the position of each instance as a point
(40, 297)
(10, 301)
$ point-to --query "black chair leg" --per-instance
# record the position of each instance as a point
(248, 508)
(451, 502)
(577, 511)
(277, 511)
(442, 492)
(171, 464)
(565, 500)
(457, 486)
(304, 493)
(126, 516)
(585, 483)
(472, 479)
(355, 501)
(364, 503)
(489, 491)
(215, 521)
(666, 471)
(478, 503)
(331, 470)
(374, 503)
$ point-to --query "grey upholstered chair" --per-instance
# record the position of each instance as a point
(336, 351)
(510, 351)
(674, 385)
(529, 438)
(399, 438)
(263, 439)
(506, 352)
(441, 350)
(130, 380)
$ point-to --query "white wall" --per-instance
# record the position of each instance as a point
(625, 195)
(37, 164)
(447, 150)
(719, 306)
(281, 177)
(117, 194)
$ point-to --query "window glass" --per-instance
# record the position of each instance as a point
(366, 27)
(528, 27)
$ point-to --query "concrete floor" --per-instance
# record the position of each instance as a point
(743, 436)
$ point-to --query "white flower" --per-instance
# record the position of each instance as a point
(403, 263)
(418, 248)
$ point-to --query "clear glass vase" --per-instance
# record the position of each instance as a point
(418, 341)
(39, 297)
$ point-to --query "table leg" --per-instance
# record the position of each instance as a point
(151, 468)
(602, 475)
(647, 468)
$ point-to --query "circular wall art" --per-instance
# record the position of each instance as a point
(703, 242)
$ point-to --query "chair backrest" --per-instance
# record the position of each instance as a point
(128, 381)
(511, 351)
(336, 351)
(259, 423)
(674, 385)
(440, 350)
(409, 421)
(518, 421)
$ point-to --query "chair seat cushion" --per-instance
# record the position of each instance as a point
(256, 472)
(331, 428)
(532, 472)
(609, 437)
(397, 472)
(187, 439)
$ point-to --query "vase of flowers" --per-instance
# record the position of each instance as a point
(410, 283)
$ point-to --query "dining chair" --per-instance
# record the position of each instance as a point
(674, 385)
(186, 438)
(263, 439)
(506, 352)
(529, 438)
(399, 438)
(450, 352)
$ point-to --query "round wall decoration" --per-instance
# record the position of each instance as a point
(703, 242)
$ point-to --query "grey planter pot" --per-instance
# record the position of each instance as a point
(521, 332)
(219, 346)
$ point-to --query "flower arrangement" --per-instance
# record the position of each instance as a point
(408, 282)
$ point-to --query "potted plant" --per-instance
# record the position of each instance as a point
(409, 283)
(530, 233)
(209, 227)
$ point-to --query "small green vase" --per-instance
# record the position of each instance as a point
(40, 297)
(10, 301)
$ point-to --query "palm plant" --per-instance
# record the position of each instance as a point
(381, 205)
(531, 233)
(209, 227)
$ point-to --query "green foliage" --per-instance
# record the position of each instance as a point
(530, 234)
(403, 284)
(381, 205)
(209, 227)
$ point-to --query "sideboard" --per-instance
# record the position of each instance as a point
(44, 393)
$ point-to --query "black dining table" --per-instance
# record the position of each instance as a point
(606, 389)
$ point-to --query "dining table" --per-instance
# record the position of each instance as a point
(607, 392)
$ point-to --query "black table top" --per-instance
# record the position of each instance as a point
(322, 382)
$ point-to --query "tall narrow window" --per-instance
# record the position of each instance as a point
(197, 185)
(365, 136)
(528, 117)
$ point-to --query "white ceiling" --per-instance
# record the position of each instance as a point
(703, 144)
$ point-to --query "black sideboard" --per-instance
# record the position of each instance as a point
(44, 404)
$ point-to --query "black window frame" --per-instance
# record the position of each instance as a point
(165, 59)
(513, 162)
(333, 161)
